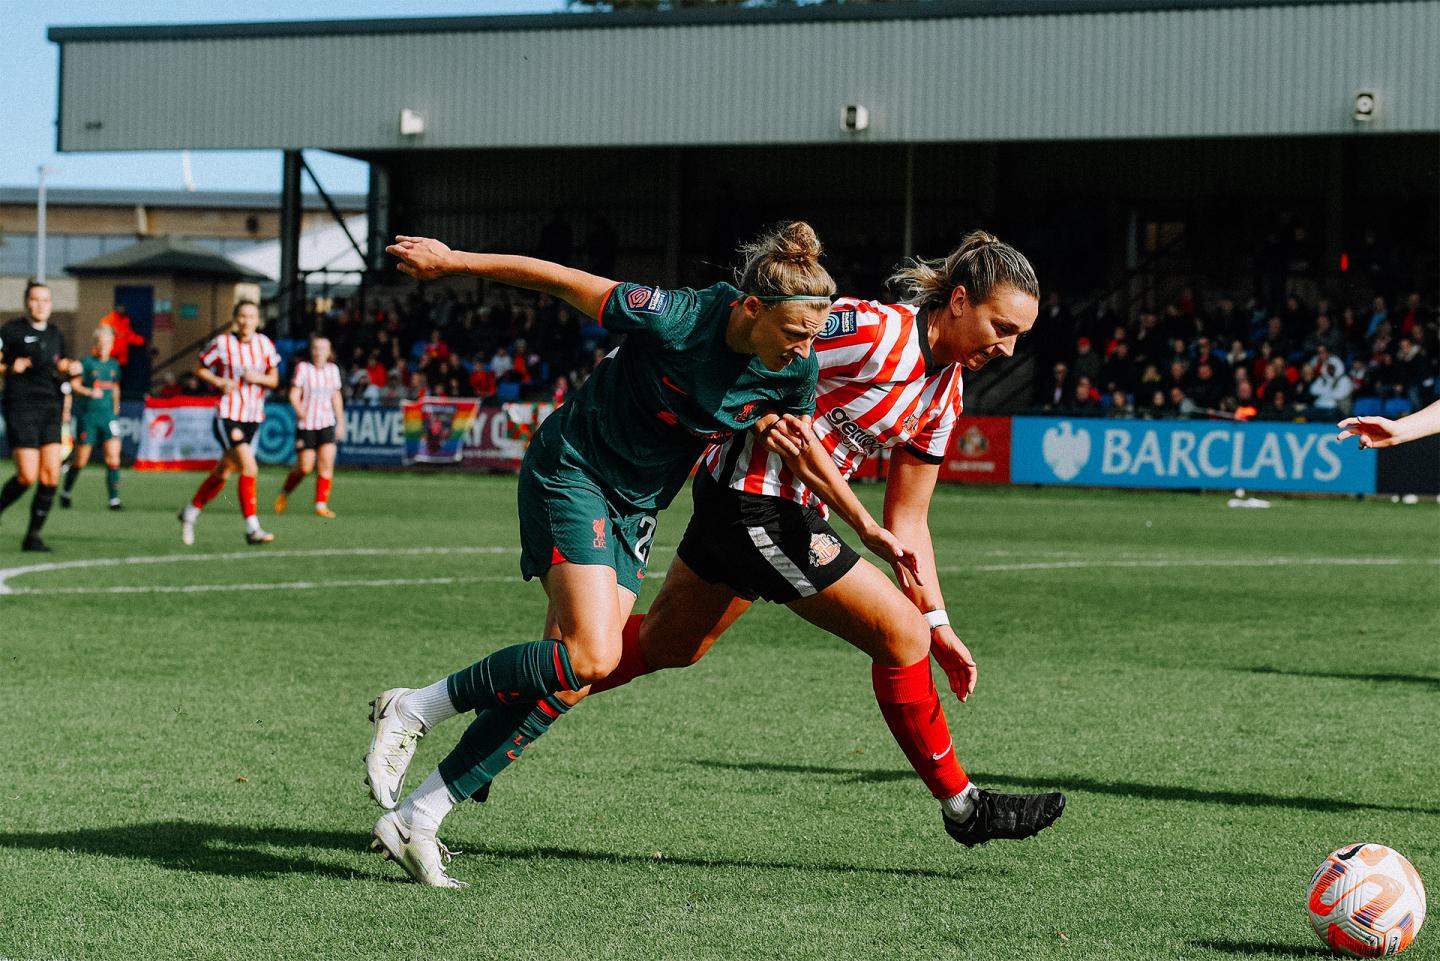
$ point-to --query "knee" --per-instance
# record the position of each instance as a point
(591, 659)
(903, 641)
(24, 479)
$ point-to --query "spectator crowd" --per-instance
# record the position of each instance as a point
(1299, 361)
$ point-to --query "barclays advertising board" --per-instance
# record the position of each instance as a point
(1187, 454)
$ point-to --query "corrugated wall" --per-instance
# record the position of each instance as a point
(1177, 73)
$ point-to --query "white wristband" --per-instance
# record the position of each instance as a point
(937, 618)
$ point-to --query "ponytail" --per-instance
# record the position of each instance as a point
(981, 264)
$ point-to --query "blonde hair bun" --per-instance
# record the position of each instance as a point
(783, 262)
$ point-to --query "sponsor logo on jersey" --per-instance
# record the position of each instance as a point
(824, 548)
(647, 300)
(840, 323)
(853, 434)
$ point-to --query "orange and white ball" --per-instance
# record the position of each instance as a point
(1367, 901)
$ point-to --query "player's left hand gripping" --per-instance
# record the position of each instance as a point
(885, 544)
(954, 659)
(785, 435)
(423, 258)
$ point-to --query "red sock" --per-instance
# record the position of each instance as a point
(912, 710)
(322, 489)
(293, 479)
(209, 487)
(632, 662)
(247, 496)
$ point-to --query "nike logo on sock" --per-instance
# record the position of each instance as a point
(666, 382)
(948, 748)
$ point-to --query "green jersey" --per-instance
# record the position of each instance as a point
(648, 412)
(101, 375)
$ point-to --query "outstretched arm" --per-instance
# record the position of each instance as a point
(425, 258)
(908, 488)
(1383, 432)
(790, 437)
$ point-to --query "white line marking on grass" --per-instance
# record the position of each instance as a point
(279, 586)
(1195, 562)
(6, 574)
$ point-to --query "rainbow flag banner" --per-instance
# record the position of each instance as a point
(435, 429)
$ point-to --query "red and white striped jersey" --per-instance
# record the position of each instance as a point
(878, 389)
(317, 386)
(227, 357)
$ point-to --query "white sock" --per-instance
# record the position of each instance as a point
(958, 808)
(428, 706)
(426, 806)
(252, 524)
(190, 513)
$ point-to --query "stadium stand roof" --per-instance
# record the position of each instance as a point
(946, 71)
(204, 199)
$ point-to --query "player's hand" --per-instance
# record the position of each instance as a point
(423, 258)
(19, 365)
(954, 659)
(885, 544)
(68, 368)
(339, 431)
(1372, 431)
(785, 435)
(228, 386)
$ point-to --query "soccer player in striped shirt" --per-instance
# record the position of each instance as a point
(242, 365)
(890, 378)
(696, 366)
(319, 425)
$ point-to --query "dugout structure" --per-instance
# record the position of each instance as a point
(1113, 140)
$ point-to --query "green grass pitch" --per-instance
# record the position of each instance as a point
(1225, 695)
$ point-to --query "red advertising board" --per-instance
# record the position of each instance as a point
(979, 452)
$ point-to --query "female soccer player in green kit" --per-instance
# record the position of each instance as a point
(98, 390)
(696, 367)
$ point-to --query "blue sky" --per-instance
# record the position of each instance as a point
(27, 111)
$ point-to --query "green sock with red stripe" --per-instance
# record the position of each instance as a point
(493, 741)
(518, 674)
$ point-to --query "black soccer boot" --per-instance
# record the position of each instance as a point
(1011, 817)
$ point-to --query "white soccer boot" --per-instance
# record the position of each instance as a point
(391, 748)
(421, 855)
(187, 530)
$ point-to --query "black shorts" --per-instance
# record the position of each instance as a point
(233, 433)
(314, 439)
(760, 546)
(32, 425)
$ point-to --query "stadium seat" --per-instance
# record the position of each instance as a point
(508, 392)
(1397, 407)
(1367, 407)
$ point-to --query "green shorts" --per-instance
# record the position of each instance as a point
(95, 428)
(565, 516)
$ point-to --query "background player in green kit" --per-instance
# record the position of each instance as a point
(696, 366)
(97, 404)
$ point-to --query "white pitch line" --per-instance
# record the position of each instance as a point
(280, 586)
(1189, 562)
(9, 572)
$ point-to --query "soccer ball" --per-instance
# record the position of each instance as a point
(1366, 901)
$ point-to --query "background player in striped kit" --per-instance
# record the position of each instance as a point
(890, 377)
(32, 358)
(97, 404)
(241, 365)
(319, 425)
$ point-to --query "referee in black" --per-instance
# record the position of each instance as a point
(32, 359)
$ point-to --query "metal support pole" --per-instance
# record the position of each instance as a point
(377, 215)
(40, 227)
(291, 294)
(908, 242)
